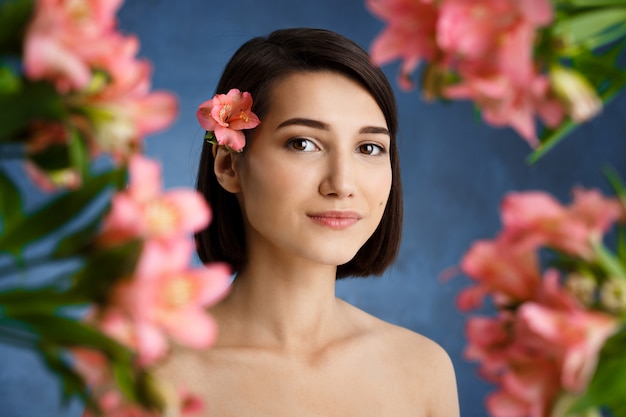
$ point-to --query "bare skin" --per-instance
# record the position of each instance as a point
(287, 345)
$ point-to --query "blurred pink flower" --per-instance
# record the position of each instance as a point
(60, 38)
(226, 115)
(409, 35)
(75, 45)
(489, 339)
(530, 381)
(145, 210)
(506, 271)
(504, 103)
(146, 310)
(490, 31)
(121, 107)
(535, 218)
(579, 333)
(597, 212)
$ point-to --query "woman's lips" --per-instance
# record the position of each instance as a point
(335, 219)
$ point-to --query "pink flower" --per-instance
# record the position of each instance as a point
(597, 212)
(489, 339)
(535, 218)
(121, 108)
(489, 43)
(528, 385)
(488, 30)
(509, 272)
(226, 115)
(61, 36)
(579, 333)
(148, 309)
(410, 34)
(504, 103)
(144, 210)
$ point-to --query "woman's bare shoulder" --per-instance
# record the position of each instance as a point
(425, 367)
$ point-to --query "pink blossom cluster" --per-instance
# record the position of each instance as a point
(75, 46)
(544, 340)
(148, 308)
(164, 300)
(481, 50)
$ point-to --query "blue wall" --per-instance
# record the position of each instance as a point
(455, 171)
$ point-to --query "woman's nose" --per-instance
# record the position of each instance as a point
(339, 176)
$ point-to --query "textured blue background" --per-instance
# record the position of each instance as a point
(455, 171)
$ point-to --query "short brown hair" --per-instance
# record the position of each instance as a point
(256, 67)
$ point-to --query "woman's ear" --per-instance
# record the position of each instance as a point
(225, 169)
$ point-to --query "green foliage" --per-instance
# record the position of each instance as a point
(607, 79)
(31, 101)
(14, 16)
(608, 385)
(21, 228)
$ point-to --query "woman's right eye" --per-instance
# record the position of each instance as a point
(302, 145)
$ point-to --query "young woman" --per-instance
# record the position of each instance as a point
(314, 196)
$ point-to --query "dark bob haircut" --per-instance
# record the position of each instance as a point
(256, 67)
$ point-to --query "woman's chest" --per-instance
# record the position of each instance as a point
(264, 387)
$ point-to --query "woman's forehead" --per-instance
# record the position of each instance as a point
(324, 96)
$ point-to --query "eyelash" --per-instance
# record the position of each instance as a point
(377, 149)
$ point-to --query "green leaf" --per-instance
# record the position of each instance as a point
(39, 301)
(79, 241)
(33, 101)
(79, 155)
(590, 3)
(621, 245)
(579, 28)
(30, 227)
(105, 267)
(65, 331)
(11, 204)
(126, 379)
(14, 16)
(608, 261)
(9, 82)
(617, 184)
(550, 138)
(608, 385)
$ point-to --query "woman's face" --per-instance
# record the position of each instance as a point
(317, 174)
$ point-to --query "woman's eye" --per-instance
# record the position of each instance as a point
(370, 149)
(302, 144)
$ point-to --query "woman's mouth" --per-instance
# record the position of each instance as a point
(335, 219)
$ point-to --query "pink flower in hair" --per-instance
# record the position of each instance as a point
(226, 115)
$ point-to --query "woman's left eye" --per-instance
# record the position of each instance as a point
(370, 149)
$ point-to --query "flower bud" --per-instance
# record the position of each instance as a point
(582, 287)
(613, 294)
(575, 92)
(434, 79)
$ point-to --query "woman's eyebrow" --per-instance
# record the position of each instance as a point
(316, 124)
(375, 129)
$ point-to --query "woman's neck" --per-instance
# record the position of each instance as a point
(277, 306)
